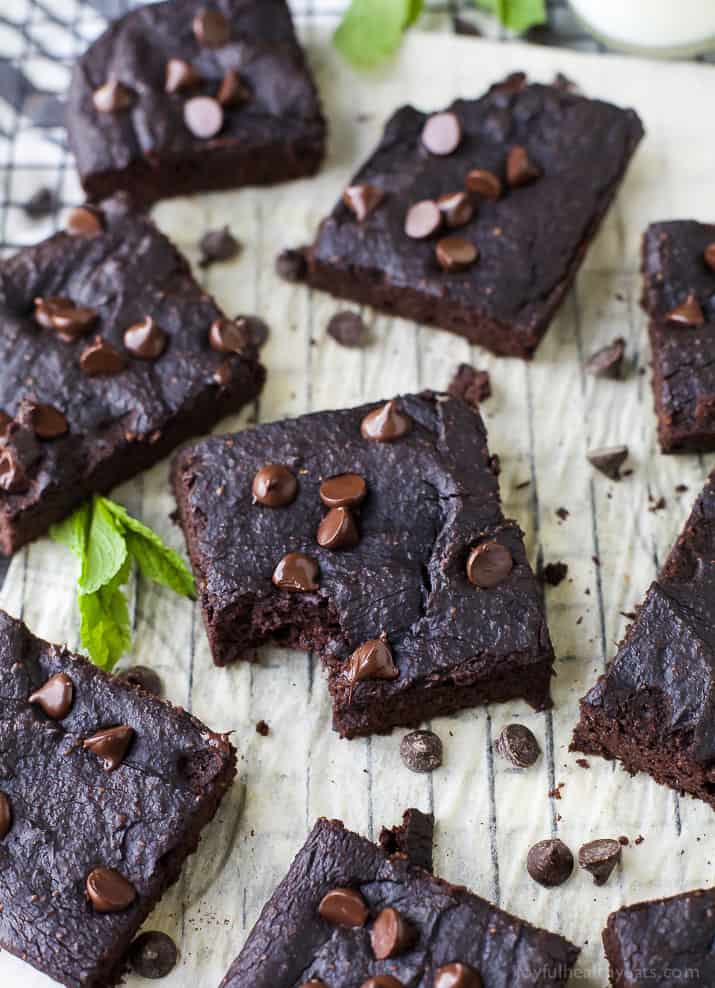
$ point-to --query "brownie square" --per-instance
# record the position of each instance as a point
(386, 599)
(679, 297)
(85, 405)
(182, 97)
(344, 903)
(524, 175)
(653, 707)
(94, 826)
(666, 943)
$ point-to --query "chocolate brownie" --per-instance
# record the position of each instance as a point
(110, 355)
(182, 97)
(477, 219)
(375, 537)
(347, 914)
(104, 791)
(665, 943)
(679, 297)
(653, 708)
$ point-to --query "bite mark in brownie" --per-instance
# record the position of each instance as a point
(434, 609)
(91, 848)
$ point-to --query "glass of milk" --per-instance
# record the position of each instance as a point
(667, 28)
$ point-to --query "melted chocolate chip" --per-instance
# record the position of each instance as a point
(608, 361)
(688, 313)
(100, 357)
(211, 28)
(153, 955)
(344, 907)
(84, 221)
(442, 133)
(110, 745)
(550, 862)
(456, 253)
(456, 208)
(203, 116)
(108, 891)
(489, 564)
(70, 321)
(518, 745)
(709, 256)
(5, 421)
(391, 934)
(227, 336)
(608, 460)
(222, 374)
(112, 97)
(348, 329)
(291, 265)
(13, 476)
(314, 983)
(274, 486)
(233, 90)
(145, 678)
(600, 857)
(385, 424)
(296, 572)
(382, 981)
(457, 976)
(421, 751)
(180, 75)
(371, 660)
(5, 815)
(255, 329)
(145, 339)
(46, 421)
(55, 696)
(423, 219)
(483, 183)
(362, 200)
(218, 245)
(346, 490)
(338, 530)
(520, 170)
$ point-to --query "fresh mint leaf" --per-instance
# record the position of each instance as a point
(105, 628)
(371, 30)
(516, 15)
(416, 8)
(106, 550)
(73, 532)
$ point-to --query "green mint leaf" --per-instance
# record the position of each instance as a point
(73, 532)
(371, 30)
(415, 9)
(516, 15)
(106, 550)
(105, 628)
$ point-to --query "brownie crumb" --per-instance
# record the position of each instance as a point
(623, 841)
(471, 385)
(658, 505)
(607, 362)
(522, 485)
(291, 265)
(583, 762)
(555, 793)
(348, 329)
(263, 729)
(563, 513)
(630, 615)
(554, 573)
(639, 839)
(681, 488)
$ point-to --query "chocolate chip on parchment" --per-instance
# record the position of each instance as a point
(371, 660)
(362, 199)
(456, 208)
(442, 133)
(112, 97)
(518, 745)
(262, 728)
(608, 361)
(84, 221)
(348, 329)
(520, 169)
(153, 955)
(600, 857)
(709, 256)
(346, 490)
(145, 339)
(110, 745)
(391, 934)
(456, 253)
(203, 116)
(255, 329)
(471, 385)
(274, 485)
(344, 907)
(550, 862)
(421, 751)
(489, 564)
(608, 460)
(55, 696)
(228, 336)
(423, 219)
(5, 815)
(180, 75)
(233, 91)
(554, 573)
(109, 891)
(43, 202)
(291, 265)
(457, 975)
(145, 678)
(483, 183)
(100, 357)
(218, 245)
(688, 313)
(386, 424)
(211, 28)
(338, 530)
(296, 572)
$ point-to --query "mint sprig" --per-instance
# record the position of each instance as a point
(107, 539)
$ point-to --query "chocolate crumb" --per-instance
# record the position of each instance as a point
(607, 362)
(348, 329)
(681, 488)
(583, 762)
(658, 505)
(563, 513)
(554, 573)
(263, 729)
(471, 385)
(291, 265)
(218, 245)
(609, 460)
(43, 202)
(631, 615)
(522, 485)
(623, 841)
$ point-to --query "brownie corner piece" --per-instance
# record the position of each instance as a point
(476, 219)
(185, 96)
(346, 912)
(89, 764)
(679, 299)
(373, 536)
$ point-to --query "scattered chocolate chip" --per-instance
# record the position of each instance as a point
(296, 572)
(291, 265)
(348, 329)
(385, 424)
(153, 955)
(442, 133)
(112, 97)
(346, 490)
(550, 862)
(344, 907)
(70, 321)
(338, 530)
(421, 751)
(314, 983)
(263, 729)
(145, 678)
(84, 221)
(43, 202)
(554, 573)
(5, 816)
(658, 504)
(255, 330)
(484, 183)
(211, 28)
(218, 245)
(55, 696)
(371, 660)
(46, 421)
(382, 981)
(457, 976)
(518, 745)
(145, 339)
(110, 745)
(100, 357)
(423, 219)
(608, 361)
(688, 313)
(600, 857)
(471, 385)
(563, 513)
(391, 934)
(180, 75)
(520, 170)
(709, 256)
(108, 891)
(489, 564)
(362, 200)
(681, 488)
(456, 208)
(609, 460)
(233, 91)
(228, 336)
(274, 486)
(456, 253)
(203, 116)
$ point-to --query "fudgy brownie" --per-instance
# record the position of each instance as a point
(477, 219)
(679, 297)
(104, 791)
(347, 914)
(652, 709)
(181, 97)
(375, 537)
(110, 355)
(666, 943)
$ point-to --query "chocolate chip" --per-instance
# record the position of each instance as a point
(263, 729)
(254, 328)
(145, 339)
(362, 199)
(709, 256)
(222, 375)
(227, 336)
(608, 361)
(484, 183)
(609, 460)
(421, 751)
(110, 745)
(5, 421)
(457, 976)
(442, 133)
(385, 424)
(338, 530)
(471, 385)
(489, 564)
(232, 91)
(70, 321)
(348, 329)
(153, 955)
(600, 857)
(5, 815)
(554, 573)
(42, 202)
(203, 116)
(180, 75)
(550, 862)
(274, 486)
(371, 660)
(211, 28)
(391, 934)
(84, 221)
(314, 983)
(145, 678)
(688, 313)
(296, 572)
(112, 97)
(291, 265)
(520, 170)
(108, 891)
(423, 219)
(382, 981)
(218, 245)
(518, 745)
(13, 476)
(456, 253)
(344, 907)
(346, 490)
(46, 421)
(456, 208)
(100, 357)
(55, 696)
